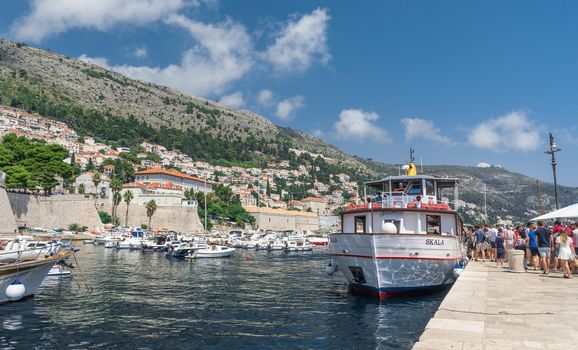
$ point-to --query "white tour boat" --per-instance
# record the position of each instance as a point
(407, 238)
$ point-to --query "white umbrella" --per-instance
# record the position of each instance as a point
(570, 211)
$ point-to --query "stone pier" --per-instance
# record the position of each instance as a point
(489, 308)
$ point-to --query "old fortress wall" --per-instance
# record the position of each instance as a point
(57, 211)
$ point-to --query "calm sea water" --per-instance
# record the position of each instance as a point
(253, 300)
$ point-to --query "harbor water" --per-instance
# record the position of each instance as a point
(129, 299)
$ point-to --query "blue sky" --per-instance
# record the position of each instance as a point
(461, 82)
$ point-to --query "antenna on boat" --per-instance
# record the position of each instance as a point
(411, 171)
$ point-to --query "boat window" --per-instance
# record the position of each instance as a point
(433, 224)
(399, 186)
(429, 187)
(360, 224)
(415, 187)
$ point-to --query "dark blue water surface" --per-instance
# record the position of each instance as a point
(253, 300)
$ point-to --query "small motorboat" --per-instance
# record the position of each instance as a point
(180, 251)
(213, 251)
(160, 244)
(298, 246)
(318, 240)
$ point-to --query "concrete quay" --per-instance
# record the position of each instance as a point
(490, 308)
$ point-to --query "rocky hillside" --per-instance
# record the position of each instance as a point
(64, 81)
(96, 100)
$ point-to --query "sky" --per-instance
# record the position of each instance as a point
(461, 82)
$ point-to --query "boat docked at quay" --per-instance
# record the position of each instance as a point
(24, 266)
(405, 239)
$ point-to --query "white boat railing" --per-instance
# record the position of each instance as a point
(29, 253)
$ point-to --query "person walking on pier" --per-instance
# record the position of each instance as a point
(532, 243)
(566, 252)
(479, 244)
(500, 251)
(544, 237)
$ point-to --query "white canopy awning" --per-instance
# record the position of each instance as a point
(570, 211)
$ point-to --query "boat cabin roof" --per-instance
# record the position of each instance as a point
(442, 182)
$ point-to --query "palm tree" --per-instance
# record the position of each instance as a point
(128, 196)
(96, 180)
(115, 187)
(81, 189)
(151, 208)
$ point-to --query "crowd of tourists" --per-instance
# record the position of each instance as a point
(550, 248)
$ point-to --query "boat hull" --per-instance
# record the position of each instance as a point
(386, 265)
(31, 276)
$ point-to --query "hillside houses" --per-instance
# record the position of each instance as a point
(159, 174)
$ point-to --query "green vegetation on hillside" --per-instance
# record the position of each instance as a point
(222, 205)
(29, 164)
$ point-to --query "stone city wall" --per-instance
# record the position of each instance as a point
(280, 221)
(174, 218)
(58, 211)
(7, 222)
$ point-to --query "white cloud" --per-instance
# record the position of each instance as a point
(513, 131)
(286, 108)
(140, 52)
(425, 129)
(301, 43)
(265, 97)
(50, 17)
(356, 124)
(234, 100)
(99, 61)
(222, 56)
(318, 133)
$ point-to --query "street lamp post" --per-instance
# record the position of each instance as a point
(553, 149)
(205, 205)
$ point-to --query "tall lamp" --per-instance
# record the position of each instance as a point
(553, 149)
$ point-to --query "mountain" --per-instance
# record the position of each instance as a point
(113, 108)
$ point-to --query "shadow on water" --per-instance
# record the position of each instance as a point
(251, 300)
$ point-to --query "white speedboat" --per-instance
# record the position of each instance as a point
(405, 239)
(213, 251)
(134, 242)
(20, 278)
(294, 245)
(278, 245)
(159, 244)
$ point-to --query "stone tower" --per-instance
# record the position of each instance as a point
(7, 221)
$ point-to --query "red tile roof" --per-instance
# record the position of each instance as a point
(313, 199)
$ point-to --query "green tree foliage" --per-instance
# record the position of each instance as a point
(222, 203)
(151, 207)
(90, 165)
(105, 217)
(127, 197)
(28, 163)
(81, 189)
(115, 187)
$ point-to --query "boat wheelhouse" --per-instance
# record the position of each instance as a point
(406, 237)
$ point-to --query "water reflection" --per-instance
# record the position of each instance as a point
(253, 299)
